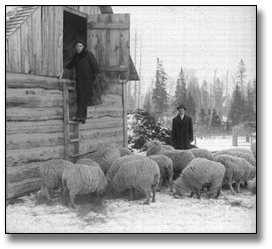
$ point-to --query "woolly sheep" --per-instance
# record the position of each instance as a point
(51, 173)
(239, 153)
(82, 179)
(124, 151)
(105, 156)
(237, 170)
(200, 173)
(166, 169)
(121, 161)
(142, 175)
(251, 185)
(88, 162)
(202, 153)
(180, 158)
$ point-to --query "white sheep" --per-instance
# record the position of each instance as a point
(51, 173)
(180, 158)
(82, 179)
(166, 169)
(202, 153)
(200, 173)
(88, 162)
(238, 170)
(142, 175)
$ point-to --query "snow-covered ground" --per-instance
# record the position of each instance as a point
(228, 214)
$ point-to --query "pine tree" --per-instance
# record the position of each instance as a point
(180, 92)
(159, 95)
(250, 115)
(205, 96)
(147, 102)
(241, 76)
(191, 107)
(236, 113)
(218, 96)
(202, 117)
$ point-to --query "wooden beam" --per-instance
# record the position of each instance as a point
(119, 26)
(75, 12)
(117, 68)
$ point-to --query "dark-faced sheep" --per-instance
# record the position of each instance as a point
(51, 175)
(180, 158)
(202, 153)
(141, 175)
(200, 173)
(238, 170)
(82, 179)
(166, 169)
(105, 156)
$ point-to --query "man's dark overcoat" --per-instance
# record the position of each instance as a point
(182, 132)
(86, 67)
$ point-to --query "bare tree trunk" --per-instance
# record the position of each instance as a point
(212, 101)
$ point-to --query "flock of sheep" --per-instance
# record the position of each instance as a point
(115, 170)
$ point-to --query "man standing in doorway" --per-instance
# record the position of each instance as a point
(182, 130)
(86, 68)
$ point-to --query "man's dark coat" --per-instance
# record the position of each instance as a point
(86, 67)
(182, 132)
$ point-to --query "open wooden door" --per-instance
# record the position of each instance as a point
(108, 38)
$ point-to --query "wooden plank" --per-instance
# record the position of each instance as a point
(30, 127)
(15, 55)
(33, 97)
(33, 114)
(115, 26)
(27, 46)
(16, 80)
(114, 68)
(66, 120)
(74, 10)
(23, 156)
(46, 46)
(22, 172)
(37, 41)
(17, 189)
(58, 43)
(27, 141)
(92, 39)
(8, 67)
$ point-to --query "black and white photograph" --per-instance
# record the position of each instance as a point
(131, 119)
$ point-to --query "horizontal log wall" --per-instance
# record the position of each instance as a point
(35, 132)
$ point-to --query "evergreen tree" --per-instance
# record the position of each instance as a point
(202, 117)
(241, 76)
(159, 95)
(218, 96)
(236, 113)
(216, 119)
(193, 89)
(205, 96)
(191, 107)
(250, 115)
(180, 92)
(147, 102)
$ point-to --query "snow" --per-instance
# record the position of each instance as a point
(227, 214)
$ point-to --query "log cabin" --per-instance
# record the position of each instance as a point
(40, 94)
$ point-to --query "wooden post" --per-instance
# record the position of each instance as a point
(234, 137)
(124, 104)
(66, 120)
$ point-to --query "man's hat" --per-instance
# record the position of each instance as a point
(80, 41)
(181, 107)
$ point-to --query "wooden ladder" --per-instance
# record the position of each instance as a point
(67, 123)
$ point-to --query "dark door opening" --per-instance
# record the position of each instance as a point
(75, 27)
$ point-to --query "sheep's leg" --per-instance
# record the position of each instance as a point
(198, 193)
(159, 185)
(154, 193)
(132, 193)
(148, 193)
(218, 192)
(231, 188)
(72, 201)
(171, 183)
(192, 194)
(237, 186)
(47, 193)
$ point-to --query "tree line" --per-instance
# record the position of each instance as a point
(213, 106)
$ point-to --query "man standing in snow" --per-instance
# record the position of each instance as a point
(182, 130)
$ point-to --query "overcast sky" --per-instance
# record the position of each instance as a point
(197, 38)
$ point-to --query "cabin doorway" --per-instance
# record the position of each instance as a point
(74, 27)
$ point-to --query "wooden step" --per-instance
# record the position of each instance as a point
(74, 140)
